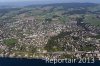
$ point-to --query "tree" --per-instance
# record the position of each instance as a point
(10, 42)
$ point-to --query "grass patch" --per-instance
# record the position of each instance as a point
(10, 42)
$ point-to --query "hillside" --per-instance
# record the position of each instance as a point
(57, 30)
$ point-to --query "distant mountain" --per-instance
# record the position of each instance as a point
(43, 3)
(21, 4)
(69, 5)
(14, 4)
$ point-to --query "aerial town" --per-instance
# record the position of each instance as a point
(50, 31)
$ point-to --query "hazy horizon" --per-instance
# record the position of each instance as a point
(22, 3)
(52, 1)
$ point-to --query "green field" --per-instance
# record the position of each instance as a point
(92, 20)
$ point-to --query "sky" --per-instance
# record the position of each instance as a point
(93, 1)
